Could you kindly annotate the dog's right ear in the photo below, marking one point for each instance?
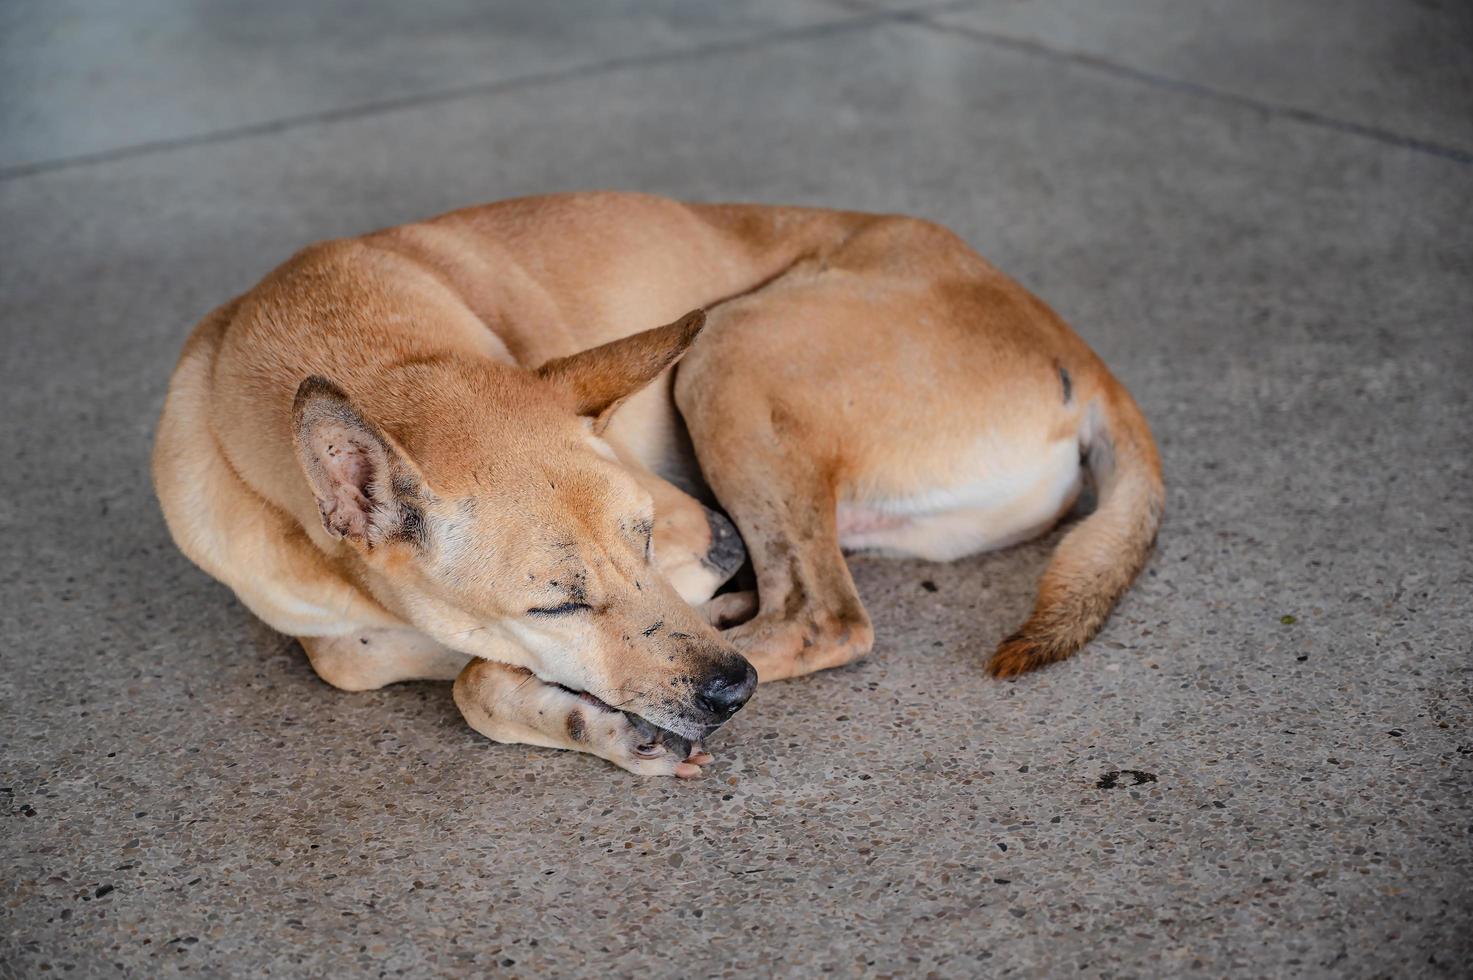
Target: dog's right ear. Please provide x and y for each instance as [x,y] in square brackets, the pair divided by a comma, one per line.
[600,378]
[365,486]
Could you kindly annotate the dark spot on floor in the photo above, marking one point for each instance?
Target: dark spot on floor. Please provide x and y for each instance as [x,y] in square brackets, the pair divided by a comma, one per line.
[1111,779]
[928,585]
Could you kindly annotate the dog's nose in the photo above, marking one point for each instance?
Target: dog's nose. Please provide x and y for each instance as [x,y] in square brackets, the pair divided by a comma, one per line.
[727,689]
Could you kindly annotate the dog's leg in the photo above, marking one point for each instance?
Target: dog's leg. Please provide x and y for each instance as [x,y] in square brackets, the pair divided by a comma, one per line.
[809,616]
[369,659]
[509,704]
[731,608]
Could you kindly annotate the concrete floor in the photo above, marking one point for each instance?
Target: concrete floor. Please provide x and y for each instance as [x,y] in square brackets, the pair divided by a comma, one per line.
[1259,213]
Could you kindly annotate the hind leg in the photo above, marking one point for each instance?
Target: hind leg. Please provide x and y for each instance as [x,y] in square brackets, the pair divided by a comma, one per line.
[782,498]
[814,619]
[902,379]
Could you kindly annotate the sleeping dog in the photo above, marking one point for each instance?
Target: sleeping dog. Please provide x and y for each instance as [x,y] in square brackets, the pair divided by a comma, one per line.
[452,450]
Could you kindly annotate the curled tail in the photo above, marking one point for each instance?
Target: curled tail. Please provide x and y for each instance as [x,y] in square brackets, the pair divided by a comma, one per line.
[1101,556]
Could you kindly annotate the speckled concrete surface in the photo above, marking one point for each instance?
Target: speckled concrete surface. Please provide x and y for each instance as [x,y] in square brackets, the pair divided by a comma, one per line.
[1261,768]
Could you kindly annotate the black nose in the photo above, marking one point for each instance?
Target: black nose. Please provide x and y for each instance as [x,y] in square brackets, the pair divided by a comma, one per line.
[727,689]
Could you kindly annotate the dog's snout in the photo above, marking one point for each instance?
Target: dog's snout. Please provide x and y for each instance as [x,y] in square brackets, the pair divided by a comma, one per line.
[728,688]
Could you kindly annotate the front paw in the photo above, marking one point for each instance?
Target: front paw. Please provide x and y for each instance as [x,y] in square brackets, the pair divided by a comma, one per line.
[636,745]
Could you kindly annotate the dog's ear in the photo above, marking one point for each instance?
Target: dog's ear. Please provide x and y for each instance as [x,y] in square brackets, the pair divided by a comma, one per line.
[602,377]
[367,490]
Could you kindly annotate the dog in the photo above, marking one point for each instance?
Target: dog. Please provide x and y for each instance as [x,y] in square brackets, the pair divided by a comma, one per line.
[452,450]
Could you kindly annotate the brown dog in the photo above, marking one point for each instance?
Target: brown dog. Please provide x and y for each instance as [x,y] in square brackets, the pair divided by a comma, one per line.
[442,451]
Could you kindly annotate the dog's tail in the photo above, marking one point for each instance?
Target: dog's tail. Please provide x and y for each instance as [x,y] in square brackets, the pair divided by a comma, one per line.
[1099,558]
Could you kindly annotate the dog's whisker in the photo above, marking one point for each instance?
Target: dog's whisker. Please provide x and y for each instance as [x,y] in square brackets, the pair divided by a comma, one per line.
[516,690]
[473,629]
[634,697]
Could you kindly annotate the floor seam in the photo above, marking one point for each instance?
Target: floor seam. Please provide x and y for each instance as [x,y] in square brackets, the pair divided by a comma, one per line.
[1104,65]
[469,90]
[920,16]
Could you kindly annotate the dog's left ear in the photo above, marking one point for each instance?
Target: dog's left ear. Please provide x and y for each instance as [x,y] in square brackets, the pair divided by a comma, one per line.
[600,378]
[367,489]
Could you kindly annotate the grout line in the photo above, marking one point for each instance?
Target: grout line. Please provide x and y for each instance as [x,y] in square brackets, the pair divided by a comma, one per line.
[919,15]
[1103,65]
[493,87]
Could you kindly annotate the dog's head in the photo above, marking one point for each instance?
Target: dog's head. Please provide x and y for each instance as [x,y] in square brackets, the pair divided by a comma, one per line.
[482,504]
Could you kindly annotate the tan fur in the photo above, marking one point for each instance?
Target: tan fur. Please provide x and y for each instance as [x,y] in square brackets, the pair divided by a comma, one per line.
[415,437]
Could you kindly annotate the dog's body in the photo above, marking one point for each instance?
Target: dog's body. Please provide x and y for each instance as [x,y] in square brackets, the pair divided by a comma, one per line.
[393,449]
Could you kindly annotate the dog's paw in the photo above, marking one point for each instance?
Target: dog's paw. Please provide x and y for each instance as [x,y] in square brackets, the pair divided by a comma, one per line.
[780,648]
[636,745]
[730,609]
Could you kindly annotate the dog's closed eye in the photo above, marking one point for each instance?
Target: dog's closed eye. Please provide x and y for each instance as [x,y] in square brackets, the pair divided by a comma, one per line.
[562,610]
